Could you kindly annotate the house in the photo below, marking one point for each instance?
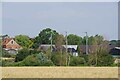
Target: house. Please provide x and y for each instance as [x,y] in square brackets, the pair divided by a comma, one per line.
[92,48]
[72,49]
[115,51]
[10,45]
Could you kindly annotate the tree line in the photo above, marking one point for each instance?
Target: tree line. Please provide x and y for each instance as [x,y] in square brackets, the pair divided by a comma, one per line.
[30,55]
[44,38]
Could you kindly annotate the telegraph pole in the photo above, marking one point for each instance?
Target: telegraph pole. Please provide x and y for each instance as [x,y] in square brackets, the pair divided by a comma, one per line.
[51,44]
[86,42]
[66,51]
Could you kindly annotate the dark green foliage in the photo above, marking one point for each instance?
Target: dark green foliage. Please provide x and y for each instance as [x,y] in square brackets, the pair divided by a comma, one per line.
[85,57]
[59,59]
[115,42]
[34,51]
[76,61]
[37,42]
[7,62]
[0,51]
[0,61]
[118,43]
[22,54]
[34,60]
[31,60]
[91,40]
[118,65]
[78,50]
[74,39]
[56,58]
[4,53]
[8,55]
[44,37]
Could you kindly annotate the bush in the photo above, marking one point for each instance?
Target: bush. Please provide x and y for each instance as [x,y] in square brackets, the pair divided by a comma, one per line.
[6,54]
[34,60]
[105,60]
[22,54]
[85,57]
[100,58]
[59,59]
[76,61]
[7,62]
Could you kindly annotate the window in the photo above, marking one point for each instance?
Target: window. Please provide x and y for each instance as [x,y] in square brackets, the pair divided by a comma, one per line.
[11,42]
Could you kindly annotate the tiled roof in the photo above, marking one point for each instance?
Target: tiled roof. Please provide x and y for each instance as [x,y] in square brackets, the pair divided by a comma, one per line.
[6,40]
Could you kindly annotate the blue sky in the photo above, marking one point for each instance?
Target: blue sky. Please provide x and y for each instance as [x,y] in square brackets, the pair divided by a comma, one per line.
[74,17]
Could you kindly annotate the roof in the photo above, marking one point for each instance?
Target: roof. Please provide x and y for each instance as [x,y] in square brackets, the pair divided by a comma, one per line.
[6,40]
[71,46]
[68,46]
[117,47]
[93,47]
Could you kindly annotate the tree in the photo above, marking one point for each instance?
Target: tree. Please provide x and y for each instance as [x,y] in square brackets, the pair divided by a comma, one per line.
[118,43]
[45,35]
[84,41]
[59,41]
[78,50]
[24,41]
[59,57]
[4,36]
[93,40]
[100,57]
[99,39]
[37,41]
[74,39]
[0,42]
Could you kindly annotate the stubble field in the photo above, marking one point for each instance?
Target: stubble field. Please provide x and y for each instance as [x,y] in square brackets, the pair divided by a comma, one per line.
[59,72]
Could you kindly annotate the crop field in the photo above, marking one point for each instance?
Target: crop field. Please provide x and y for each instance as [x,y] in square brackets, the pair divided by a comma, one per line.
[60,72]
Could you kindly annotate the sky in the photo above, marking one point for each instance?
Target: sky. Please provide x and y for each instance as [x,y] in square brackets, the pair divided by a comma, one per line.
[29,18]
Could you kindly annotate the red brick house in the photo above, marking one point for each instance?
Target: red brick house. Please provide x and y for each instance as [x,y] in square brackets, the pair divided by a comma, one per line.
[10,45]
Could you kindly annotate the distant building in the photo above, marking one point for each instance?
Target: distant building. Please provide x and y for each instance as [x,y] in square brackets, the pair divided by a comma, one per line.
[10,45]
[115,51]
[72,49]
[92,48]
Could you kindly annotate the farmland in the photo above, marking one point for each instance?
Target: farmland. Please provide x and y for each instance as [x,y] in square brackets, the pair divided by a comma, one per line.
[59,72]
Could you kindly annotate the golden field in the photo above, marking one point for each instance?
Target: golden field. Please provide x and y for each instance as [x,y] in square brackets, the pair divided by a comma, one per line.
[59,72]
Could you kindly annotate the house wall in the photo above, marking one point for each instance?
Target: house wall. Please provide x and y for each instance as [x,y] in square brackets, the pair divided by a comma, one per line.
[12,45]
